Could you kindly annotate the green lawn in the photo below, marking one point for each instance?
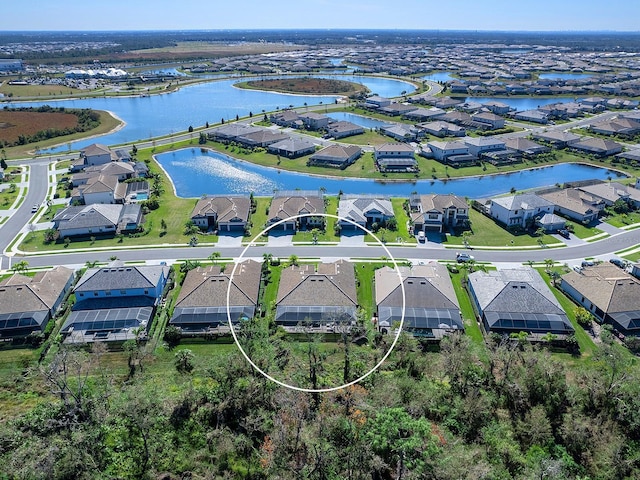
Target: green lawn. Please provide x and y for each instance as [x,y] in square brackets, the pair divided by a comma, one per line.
[8,197]
[624,219]
[587,347]
[328,235]
[485,232]
[260,216]
[582,231]
[365,273]
[471,326]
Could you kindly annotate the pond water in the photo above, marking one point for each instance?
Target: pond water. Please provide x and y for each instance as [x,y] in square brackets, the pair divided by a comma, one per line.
[195,105]
[438,77]
[364,122]
[563,76]
[195,172]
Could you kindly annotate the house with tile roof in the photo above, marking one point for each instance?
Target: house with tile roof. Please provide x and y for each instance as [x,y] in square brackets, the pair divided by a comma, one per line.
[292,147]
[557,138]
[262,138]
[517,300]
[395,157]
[292,203]
[435,212]
[27,304]
[597,146]
[609,293]
[519,210]
[335,156]
[222,213]
[610,192]
[342,129]
[319,297]
[431,308]
[363,210]
[575,204]
[115,302]
[97,219]
[201,306]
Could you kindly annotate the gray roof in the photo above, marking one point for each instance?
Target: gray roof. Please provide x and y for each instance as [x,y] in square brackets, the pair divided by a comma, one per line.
[356,208]
[518,300]
[223,207]
[96,215]
[20,293]
[338,152]
[117,276]
[293,144]
[524,201]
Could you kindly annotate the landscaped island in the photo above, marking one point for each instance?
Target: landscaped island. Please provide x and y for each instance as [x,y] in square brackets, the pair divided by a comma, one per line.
[307,86]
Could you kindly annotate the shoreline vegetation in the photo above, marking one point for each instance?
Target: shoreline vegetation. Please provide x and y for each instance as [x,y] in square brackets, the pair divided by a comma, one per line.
[305,86]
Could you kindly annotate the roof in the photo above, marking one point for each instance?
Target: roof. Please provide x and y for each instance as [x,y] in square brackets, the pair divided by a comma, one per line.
[610,191]
[455,145]
[339,152]
[524,201]
[518,300]
[356,208]
[20,293]
[394,147]
[207,287]
[94,215]
[333,284]
[223,207]
[606,286]
[291,205]
[292,144]
[574,200]
[117,276]
[430,300]
[95,149]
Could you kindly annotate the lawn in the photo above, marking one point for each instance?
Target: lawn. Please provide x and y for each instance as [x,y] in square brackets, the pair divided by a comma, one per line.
[260,216]
[331,205]
[471,326]
[582,231]
[365,285]
[485,232]
[623,219]
[8,196]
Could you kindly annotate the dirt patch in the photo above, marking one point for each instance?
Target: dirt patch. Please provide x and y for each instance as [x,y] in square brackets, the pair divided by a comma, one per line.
[15,124]
[311,86]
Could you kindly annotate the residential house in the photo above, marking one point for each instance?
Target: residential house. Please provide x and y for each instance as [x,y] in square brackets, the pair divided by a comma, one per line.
[429,307]
[201,306]
[302,204]
[395,157]
[519,210]
[324,298]
[364,211]
[229,132]
[535,116]
[314,121]
[337,156]
[222,213]
[261,138]
[610,192]
[343,129]
[97,219]
[619,126]
[400,132]
[452,153]
[434,212]
[423,114]
[575,204]
[443,129]
[597,146]
[287,118]
[557,138]
[292,147]
[375,102]
[609,293]
[499,108]
[97,154]
[100,189]
[517,300]
[526,147]
[394,109]
[550,222]
[28,303]
[490,119]
[482,145]
[115,303]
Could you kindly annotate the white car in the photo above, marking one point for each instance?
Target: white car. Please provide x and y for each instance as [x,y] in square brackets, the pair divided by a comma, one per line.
[421,236]
[35,208]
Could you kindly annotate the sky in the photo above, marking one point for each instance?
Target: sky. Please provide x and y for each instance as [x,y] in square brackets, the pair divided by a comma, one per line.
[511,15]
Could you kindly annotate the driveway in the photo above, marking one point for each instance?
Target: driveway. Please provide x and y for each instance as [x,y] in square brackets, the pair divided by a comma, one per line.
[610,229]
[280,239]
[230,240]
[352,238]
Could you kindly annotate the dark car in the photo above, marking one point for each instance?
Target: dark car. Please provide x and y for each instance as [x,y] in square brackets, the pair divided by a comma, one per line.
[564,233]
[618,263]
[588,263]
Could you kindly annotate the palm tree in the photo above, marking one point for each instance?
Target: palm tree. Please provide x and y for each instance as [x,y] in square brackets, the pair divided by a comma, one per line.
[214,257]
[21,266]
[293,260]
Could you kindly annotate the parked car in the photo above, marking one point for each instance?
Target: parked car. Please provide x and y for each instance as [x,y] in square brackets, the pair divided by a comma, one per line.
[421,236]
[618,263]
[564,233]
[464,257]
[588,263]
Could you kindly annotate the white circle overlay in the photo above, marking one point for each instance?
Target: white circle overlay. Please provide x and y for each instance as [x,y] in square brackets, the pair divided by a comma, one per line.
[316,390]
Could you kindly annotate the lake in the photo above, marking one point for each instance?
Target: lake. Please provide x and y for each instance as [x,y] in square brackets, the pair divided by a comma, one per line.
[364,122]
[522,103]
[194,105]
[563,76]
[195,172]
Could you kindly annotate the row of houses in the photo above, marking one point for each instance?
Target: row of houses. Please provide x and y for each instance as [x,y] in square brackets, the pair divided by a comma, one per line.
[118,302]
[582,204]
